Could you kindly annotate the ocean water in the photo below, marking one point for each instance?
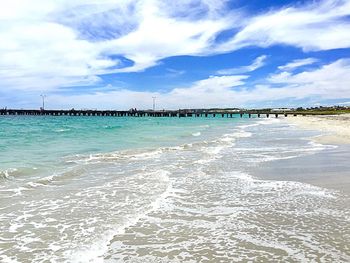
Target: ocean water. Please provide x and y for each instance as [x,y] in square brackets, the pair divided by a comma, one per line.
[112,189]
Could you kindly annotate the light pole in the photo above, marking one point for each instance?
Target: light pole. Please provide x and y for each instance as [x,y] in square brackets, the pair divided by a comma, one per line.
[43,96]
[154,103]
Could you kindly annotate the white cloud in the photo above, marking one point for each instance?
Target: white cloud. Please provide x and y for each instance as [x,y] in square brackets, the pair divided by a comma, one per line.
[330,81]
[257,63]
[49,44]
[215,90]
[160,35]
[43,55]
[321,25]
[298,63]
[327,82]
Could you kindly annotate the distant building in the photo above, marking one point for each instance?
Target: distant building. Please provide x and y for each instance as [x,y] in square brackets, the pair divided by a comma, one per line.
[281,109]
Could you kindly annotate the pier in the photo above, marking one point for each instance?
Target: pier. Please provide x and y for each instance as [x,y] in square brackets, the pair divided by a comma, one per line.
[151,113]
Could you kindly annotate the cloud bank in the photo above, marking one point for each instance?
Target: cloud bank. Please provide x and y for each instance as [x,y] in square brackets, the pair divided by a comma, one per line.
[230,91]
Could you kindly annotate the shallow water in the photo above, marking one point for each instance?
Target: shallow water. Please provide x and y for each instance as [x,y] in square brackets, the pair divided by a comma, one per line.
[100,189]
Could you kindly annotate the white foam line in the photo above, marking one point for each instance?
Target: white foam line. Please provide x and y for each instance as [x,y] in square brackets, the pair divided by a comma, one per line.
[248,125]
[294,253]
[6,174]
[320,145]
[303,188]
[196,134]
[6,259]
[96,251]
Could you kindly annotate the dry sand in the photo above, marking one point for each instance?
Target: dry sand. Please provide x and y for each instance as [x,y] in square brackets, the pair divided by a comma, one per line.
[335,127]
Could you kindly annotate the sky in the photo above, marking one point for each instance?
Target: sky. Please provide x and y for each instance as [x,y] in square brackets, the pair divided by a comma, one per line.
[118,54]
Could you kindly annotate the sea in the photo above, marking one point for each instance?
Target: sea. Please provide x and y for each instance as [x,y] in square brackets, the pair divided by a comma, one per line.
[148,189]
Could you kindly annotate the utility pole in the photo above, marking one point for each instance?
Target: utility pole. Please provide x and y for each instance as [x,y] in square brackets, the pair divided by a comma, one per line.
[154,103]
[43,96]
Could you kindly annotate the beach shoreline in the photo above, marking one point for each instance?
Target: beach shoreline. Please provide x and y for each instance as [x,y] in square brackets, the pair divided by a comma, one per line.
[328,168]
[335,128]
[128,189]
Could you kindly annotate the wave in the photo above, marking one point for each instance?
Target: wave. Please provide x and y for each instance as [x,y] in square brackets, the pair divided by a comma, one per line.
[112,127]
[225,140]
[8,173]
[94,252]
[67,174]
[80,163]
[15,173]
[228,206]
[62,130]
[210,151]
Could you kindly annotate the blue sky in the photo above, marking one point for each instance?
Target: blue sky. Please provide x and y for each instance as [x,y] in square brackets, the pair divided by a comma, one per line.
[113,54]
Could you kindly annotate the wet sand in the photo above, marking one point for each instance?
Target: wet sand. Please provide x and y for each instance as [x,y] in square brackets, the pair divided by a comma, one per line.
[329,169]
[336,128]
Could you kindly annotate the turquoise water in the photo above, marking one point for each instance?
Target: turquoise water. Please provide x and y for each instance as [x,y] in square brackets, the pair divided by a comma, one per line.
[41,141]
[112,189]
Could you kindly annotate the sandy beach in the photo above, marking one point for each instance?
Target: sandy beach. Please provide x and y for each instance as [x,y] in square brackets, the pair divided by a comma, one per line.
[330,168]
[335,127]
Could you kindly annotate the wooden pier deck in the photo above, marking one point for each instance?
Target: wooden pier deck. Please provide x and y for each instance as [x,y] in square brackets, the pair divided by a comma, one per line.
[149,113]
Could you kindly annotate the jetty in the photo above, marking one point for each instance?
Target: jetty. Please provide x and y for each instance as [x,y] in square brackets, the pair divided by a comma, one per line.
[151,113]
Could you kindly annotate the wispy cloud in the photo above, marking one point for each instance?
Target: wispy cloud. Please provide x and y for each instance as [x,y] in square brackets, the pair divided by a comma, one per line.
[175,72]
[257,63]
[298,63]
[329,81]
[321,25]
